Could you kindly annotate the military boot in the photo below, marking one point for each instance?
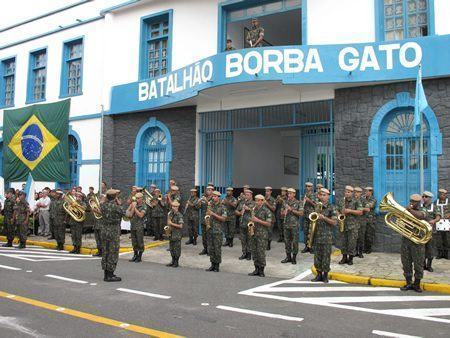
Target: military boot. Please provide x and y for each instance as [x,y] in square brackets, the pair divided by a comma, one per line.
[280,240]
[350,260]
[203,252]
[190,241]
[294,259]
[243,256]
[8,245]
[261,272]
[74,250]
[268,244]
[211,268]
[318,277]
[139,257]
[134,256]
[416,286]
[226,242]
[408,285]
[175,263]
[325,277]
[112,277]
[288,258]
[305,249]
[194,241]
[21,245]
[429,261]
[249,256]
[216,267]
[343,260]
[255,272]
[231,242]
[440,254]
[105,275]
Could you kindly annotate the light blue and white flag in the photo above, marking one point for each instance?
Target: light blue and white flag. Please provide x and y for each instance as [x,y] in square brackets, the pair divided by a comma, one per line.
[420,102]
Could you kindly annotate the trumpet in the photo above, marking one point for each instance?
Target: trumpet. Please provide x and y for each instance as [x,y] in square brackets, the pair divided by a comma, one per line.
[341,222]
[74,209]
[95,206]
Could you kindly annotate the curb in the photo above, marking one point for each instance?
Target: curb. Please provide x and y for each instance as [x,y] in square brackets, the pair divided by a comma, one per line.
[374,281]
[83,251]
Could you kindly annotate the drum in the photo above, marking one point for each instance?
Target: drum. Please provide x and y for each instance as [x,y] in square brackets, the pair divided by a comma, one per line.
[443,225]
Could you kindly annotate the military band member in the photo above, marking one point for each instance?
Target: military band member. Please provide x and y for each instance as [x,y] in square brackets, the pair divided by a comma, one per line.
[173,195]
[412,254]
[97,225]
[132,196]
[51,214]
[21,218]
[8,222]
[206,198]
[433,216]
[291,212]
[175,223]
[218,216]
[112,213]
[319,187]
[281,199]
[362,223]
[443,236]
[76,228]
[191,216]
[371,204]
[244,211]
[309,202]
[270,203]
[351,208]
[230,204]
[323,237]
[158,212]
[262,218]
[59,220]
[255,35]
[149,227]
[136,212]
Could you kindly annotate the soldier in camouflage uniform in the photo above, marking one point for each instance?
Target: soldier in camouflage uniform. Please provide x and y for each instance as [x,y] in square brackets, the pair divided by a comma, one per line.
[191,216]
[97,223]
[262,218]
[21,217]
[362,223]
[8,223]
[371,204]
[433,216]
[244,211]
[351,208]
[442,236]
[206,198]
[280,200]
[309,202]
[270,203]
[412,254]
[136,212]
[158,214]
[230,204]
[59,218]
[255,35]
[52,214]
[173,195]
[76,228]
[323,237]
[291,212]
[218,215]
[112,214]
[175,223]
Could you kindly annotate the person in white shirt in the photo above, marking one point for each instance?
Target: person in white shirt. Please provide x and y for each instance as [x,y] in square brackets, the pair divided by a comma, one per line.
[43,205]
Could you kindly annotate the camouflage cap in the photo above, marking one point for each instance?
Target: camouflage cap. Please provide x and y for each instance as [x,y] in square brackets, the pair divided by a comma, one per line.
[319,185]
[291,190]
[325,191]
[415,198]
[248,190]
[139,195]
[259,197]
[193,190]
[358,189]
[230,189]
[309,184]
[175,204]
[112,191]
[368,188]
[174,188]
[349,188]
[428,194]
[283,188]
[217,193]
[268,188]
[442,191]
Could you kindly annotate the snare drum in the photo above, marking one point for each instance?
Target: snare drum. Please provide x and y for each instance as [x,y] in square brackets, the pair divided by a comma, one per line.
[443,225]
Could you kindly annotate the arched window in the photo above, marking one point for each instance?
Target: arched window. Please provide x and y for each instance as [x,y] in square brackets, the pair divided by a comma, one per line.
[152,155]
[395,147]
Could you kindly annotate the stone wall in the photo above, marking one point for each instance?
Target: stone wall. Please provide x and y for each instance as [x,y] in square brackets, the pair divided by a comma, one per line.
[354,109]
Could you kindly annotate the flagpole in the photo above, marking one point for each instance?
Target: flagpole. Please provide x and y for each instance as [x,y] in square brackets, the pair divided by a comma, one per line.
[100,176]
[421,155]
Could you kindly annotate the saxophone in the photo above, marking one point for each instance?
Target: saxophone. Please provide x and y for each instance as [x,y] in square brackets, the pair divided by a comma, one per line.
[341,220]
[208,217]
[313,217]
[167,228]
[251,224]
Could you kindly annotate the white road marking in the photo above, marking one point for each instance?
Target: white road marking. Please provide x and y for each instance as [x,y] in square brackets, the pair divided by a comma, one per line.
[10,268]
[392,334]
[13,323]
[204,304]
[259,313]
[304,274]
[67,279]
[93,284]
[29,271]
[327,289]
[148,294]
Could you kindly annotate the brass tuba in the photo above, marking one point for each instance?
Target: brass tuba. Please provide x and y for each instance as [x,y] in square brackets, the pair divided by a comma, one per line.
[74,209]
[313,217]
[148,197]
[402,221]
[95,206]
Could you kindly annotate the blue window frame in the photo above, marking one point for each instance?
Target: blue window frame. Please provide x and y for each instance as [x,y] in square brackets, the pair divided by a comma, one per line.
[1,158]
[401,19]
[72,68]
[74,163]
[7,82]
[156,45]
[37,76]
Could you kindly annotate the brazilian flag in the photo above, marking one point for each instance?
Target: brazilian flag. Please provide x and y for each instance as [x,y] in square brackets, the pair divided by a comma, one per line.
[35,141]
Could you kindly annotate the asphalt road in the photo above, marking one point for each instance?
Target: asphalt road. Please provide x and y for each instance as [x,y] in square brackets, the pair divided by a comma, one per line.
[36,302]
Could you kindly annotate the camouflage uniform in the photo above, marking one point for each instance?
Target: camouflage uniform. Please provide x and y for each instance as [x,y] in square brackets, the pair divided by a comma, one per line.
[205,232]
[52,215]
[175,235]
[350,234]
[431,246]
[97,227]
[112,215]
[8,222]
[308,208]
[137,228]
[442,236]
[76,229]
[215,233]
[362,227]
[243,226]
[291,228]
[371,203]
[272,203]
[259,239]
[280,202]
[21,209]
[253,35]
[158,214]
[323,239]
[230,223]
[191,216]
[59,224]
